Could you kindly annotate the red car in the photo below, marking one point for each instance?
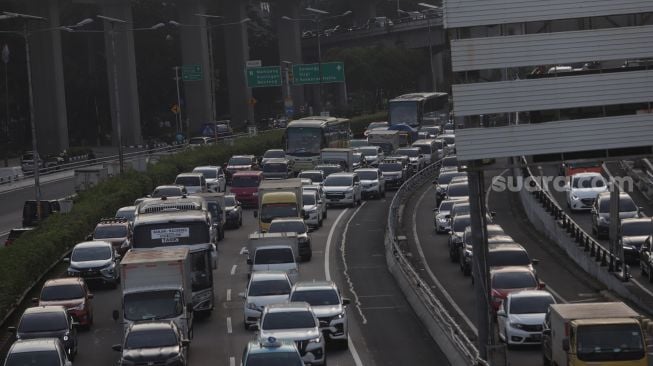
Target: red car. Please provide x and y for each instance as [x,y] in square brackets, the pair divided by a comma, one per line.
[570,169]
[71,293]
[505,280]
[244,185]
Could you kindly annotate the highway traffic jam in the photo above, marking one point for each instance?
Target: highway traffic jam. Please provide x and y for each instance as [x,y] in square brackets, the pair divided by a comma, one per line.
[161,254]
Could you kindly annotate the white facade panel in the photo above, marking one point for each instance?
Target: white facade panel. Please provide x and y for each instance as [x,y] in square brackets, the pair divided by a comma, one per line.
[467,13]
[555,137]
[552,48]
[553,93]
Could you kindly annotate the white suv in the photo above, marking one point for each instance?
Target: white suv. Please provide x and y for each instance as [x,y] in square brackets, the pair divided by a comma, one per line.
[372,182]
[214,176]
[343,189]
[264,288]
[583,188]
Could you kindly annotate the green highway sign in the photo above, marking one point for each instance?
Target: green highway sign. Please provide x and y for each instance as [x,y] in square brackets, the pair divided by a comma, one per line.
[260,77]
[332,72]
[191,72]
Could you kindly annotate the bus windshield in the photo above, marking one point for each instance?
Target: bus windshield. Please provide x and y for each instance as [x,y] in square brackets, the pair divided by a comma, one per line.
[301,141]
[403,112]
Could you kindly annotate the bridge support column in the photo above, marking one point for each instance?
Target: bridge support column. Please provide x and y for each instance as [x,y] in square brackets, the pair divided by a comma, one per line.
[237,52]
[130,115]
[289,44]
[50,113]
[195,51]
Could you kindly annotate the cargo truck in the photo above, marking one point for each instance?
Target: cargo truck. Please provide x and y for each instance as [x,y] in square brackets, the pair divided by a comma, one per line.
[607,333]
[341,156]
[279,198]
[156,285]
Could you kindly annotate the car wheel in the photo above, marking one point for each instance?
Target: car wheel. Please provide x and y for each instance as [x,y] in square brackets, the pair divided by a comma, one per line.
[383,193]
[325,213]
[650,274]
[240,221]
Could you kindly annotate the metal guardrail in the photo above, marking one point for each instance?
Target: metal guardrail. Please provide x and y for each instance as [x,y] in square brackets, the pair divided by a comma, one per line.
[592,247]
[394,254]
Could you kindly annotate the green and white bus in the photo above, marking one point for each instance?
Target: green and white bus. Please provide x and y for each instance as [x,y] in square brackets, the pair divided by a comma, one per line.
[304,138]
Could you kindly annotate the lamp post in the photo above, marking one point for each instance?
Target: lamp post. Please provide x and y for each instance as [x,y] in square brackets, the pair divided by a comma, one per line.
[428,25]
[317,19]
[5,60]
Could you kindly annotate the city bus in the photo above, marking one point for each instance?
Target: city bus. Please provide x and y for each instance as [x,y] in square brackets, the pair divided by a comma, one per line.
[304,138]
[418,109]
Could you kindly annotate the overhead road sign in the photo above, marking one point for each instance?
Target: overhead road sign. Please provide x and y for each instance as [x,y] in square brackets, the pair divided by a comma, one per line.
[260,77]
[191,72]
[332,72]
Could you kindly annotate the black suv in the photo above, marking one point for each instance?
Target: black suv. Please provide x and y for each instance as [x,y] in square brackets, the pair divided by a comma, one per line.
[153,343]
[48,322]
[30,217]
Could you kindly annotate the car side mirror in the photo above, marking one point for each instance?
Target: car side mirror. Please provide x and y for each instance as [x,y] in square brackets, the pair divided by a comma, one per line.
[535,261]
[449,232]
[117,347]
[541,286]
[75,324]
[11,330]
[90,296]
[189,308]
[546,332]
[346,301]
[89,237]
[66,260]
[565,344]
[493,214]
[35,300]
[255,327]
[255,213]
[501,313]
[245,252]
[242,295]
[185,343]
[249,261]
[115,315]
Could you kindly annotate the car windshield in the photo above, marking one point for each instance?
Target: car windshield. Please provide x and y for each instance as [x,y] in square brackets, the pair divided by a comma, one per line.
[460,223]
[626,204]
[449,140]
[208,173]
[530,305]
[368,150]
[446,206]
[269,288]
[461,209]
[637,228]
[424,149]
[390,167]
[511,280]
[304,141]
[338,181]
[411,153]
[274,359]
[167,192]
[450,162]
[593,181]
[110,231]
[368,175]
[501,258]
[240,161]
[91,254]
[314,177]
[245,181]
[126,213]
[287,227]
[34,358]
[62,292]
[275,167]
[445,178]
[309,199]
[43,322]
[152,305]
[229,201]
[274,154]
[155,338]
[274,256]
[458,190]
[289,320]
[405,112]
[317,297]
[188,181]
[270,211]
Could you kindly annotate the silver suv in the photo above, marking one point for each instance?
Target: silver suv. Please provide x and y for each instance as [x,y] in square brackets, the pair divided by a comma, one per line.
[295,321]
[372,182]
[343,189]
[328,305]
[264,288]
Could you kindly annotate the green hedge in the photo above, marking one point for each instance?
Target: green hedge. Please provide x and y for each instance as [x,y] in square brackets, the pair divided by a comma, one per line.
[23,262]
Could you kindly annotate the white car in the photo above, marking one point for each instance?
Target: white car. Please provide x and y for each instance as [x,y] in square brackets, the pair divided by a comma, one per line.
[372,154]
[312,208]
[194,182]
[295,321]
[343,189]
[274,258]
[583,188]
[372,182]
[215,178]
[264,288]
[320,193]
[521,316]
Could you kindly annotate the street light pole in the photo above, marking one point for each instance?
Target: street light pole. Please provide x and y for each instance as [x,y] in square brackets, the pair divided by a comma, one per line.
[178,117]
[5,59]
[428,25]
[211,61]
[319,64]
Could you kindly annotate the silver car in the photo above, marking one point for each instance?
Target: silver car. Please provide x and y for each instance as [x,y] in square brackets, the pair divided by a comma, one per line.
[264,288]
[295,321]
[343,188]
[320,193]
[94,261]
[215,178]
[372,182]
[328,305]
[442,216]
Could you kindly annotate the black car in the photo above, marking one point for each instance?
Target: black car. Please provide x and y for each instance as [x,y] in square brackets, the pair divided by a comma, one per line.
[234,211]
[442,183]
[153,343]
[633,233]
[48,322]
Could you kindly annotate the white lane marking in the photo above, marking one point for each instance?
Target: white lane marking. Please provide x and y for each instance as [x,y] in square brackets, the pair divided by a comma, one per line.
[343,243]
[489,190]
[428,269]
[327,275]
[229,294]
[229,329]
[242,250]
[232,361]
[233,269]
[5,233]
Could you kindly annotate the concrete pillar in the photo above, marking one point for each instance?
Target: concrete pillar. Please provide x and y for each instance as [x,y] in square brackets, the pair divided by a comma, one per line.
[236,53]
[195,51]
[289,43]
[50,114]
[130,115]
[363,10]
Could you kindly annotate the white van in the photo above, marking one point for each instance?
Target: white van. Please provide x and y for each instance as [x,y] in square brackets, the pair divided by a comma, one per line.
[428,148]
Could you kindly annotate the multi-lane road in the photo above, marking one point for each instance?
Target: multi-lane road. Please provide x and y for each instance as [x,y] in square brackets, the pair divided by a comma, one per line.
[348,249]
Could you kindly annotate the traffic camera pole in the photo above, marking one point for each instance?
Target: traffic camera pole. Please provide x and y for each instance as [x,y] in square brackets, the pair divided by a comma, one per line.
[36,157]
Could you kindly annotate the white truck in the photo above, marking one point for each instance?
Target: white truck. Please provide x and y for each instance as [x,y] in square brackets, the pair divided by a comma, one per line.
[86,178]
[156,285]
[274,252]
[279,198]
[341,156]
[606,333]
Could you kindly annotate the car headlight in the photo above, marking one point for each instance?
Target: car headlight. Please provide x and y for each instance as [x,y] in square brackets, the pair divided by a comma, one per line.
[108,269]
[79,307]
[316,340]
[340,316]
[517,325]
[439,189]
[443,220]
[574,197]
[65,338]
[252,306]
[604,219]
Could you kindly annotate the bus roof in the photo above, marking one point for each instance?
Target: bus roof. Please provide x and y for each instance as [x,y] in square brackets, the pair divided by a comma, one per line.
[315,121]
[416,97]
